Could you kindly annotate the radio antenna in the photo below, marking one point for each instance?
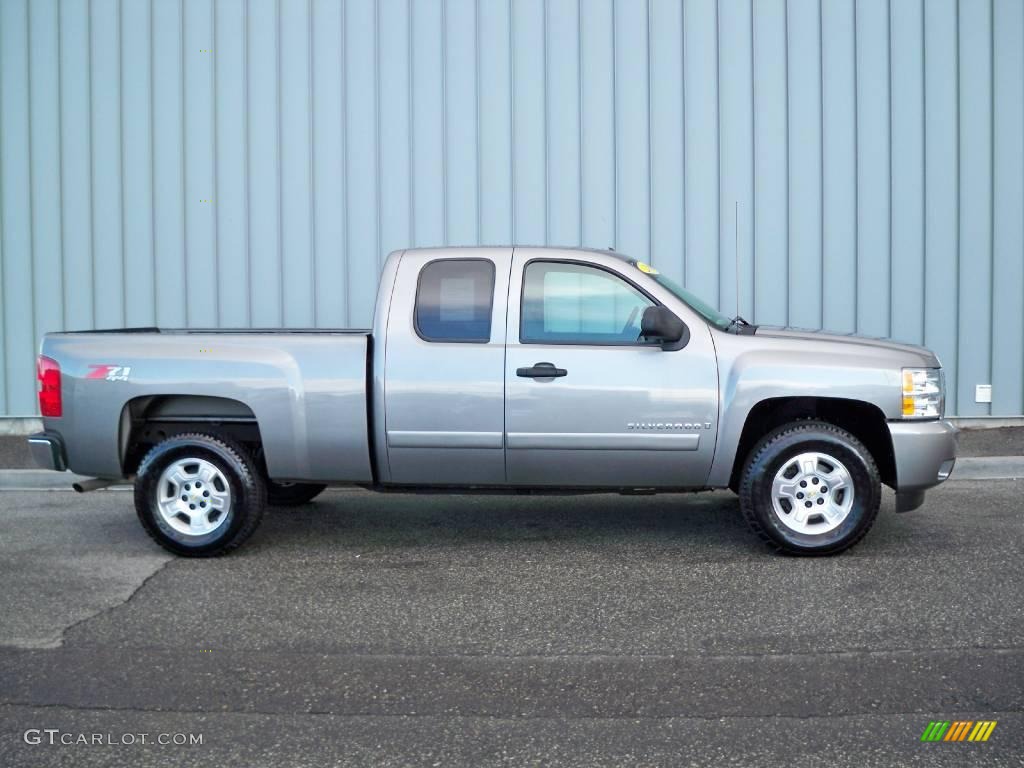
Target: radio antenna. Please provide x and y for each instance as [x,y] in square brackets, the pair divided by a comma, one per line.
[736,248]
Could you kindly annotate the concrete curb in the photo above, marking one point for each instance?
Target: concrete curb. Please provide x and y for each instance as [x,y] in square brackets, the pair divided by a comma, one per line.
[988,468]
[20,425]
[968,468]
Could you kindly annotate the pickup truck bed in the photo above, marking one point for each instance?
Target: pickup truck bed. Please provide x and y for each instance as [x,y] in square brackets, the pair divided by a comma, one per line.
[308,388]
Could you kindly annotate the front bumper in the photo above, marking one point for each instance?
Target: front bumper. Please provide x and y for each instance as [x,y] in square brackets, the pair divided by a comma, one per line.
[47,451]
[924,453]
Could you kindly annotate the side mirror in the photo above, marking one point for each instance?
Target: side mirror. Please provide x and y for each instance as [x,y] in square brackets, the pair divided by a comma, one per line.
[659,324]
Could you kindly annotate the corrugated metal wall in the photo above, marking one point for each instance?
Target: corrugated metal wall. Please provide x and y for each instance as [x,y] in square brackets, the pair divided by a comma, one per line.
[251,162]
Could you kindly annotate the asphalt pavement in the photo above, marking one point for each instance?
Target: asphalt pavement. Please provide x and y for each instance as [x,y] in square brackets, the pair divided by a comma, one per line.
[432,630]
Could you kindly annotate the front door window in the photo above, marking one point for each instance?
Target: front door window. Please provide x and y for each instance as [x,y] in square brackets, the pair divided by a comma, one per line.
[566,303]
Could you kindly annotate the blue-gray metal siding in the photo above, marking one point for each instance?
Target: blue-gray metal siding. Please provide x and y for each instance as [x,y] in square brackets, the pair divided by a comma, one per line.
[251,162]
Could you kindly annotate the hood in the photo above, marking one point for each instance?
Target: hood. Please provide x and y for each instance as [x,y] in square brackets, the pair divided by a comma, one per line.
[915,355]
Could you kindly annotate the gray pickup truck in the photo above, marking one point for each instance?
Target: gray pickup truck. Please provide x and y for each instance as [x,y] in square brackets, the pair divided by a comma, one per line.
[515,369]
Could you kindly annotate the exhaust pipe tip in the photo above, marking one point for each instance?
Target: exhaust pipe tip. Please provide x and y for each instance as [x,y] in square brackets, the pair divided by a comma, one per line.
[93,484]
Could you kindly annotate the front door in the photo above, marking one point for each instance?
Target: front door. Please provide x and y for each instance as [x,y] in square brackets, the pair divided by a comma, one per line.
[587,402]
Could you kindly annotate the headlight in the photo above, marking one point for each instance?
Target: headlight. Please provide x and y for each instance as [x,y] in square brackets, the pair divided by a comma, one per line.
[923,393]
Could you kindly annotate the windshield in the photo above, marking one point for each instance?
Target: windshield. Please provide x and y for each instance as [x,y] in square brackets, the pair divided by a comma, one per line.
[699,306]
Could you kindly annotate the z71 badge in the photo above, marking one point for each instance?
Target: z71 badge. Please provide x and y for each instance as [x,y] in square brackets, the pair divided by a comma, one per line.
[110,372]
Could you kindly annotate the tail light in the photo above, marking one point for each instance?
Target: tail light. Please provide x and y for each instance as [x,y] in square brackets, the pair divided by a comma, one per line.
[48,373]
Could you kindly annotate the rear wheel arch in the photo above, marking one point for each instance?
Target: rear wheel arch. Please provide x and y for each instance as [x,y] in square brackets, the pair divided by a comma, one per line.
[863,420]
[148,420]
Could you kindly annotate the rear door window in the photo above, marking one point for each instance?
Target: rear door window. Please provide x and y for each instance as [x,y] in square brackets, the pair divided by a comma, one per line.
[454,300]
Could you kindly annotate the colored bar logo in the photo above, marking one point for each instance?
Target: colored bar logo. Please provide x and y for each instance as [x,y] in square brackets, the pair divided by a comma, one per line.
[958,730]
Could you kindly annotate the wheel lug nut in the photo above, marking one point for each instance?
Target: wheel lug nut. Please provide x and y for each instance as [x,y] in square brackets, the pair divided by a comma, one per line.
[193,506]
[206,493]
[202,504]
[798,495]
[807,503]
[815,481]
[803,484]
[188,487]
[824,489]
[200,485]
[821,501]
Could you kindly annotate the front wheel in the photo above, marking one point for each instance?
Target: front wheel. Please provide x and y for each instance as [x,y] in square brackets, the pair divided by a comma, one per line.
[199,495]
[810,488]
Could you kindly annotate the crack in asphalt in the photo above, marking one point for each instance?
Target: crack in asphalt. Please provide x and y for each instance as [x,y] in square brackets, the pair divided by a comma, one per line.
[62,641]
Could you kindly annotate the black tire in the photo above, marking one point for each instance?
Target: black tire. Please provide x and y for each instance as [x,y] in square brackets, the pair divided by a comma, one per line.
[292,494]
[771,455]
[248,494]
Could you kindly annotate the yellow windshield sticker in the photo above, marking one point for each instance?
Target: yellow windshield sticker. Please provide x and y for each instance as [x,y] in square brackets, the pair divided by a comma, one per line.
[647,269]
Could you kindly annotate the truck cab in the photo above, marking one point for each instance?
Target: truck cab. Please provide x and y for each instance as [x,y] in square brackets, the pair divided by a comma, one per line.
[531,367]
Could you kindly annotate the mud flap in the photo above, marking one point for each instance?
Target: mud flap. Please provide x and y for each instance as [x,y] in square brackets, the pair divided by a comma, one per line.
[907,501]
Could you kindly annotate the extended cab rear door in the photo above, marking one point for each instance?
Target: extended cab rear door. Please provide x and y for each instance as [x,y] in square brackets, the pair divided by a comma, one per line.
[615,411]
[444,368]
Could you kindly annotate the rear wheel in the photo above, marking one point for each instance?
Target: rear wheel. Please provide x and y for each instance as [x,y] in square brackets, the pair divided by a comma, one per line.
[292,494]
[199,495]
[810,488]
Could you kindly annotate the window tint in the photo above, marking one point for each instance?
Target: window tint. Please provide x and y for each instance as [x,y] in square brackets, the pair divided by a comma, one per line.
[576,304]
[453,300]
